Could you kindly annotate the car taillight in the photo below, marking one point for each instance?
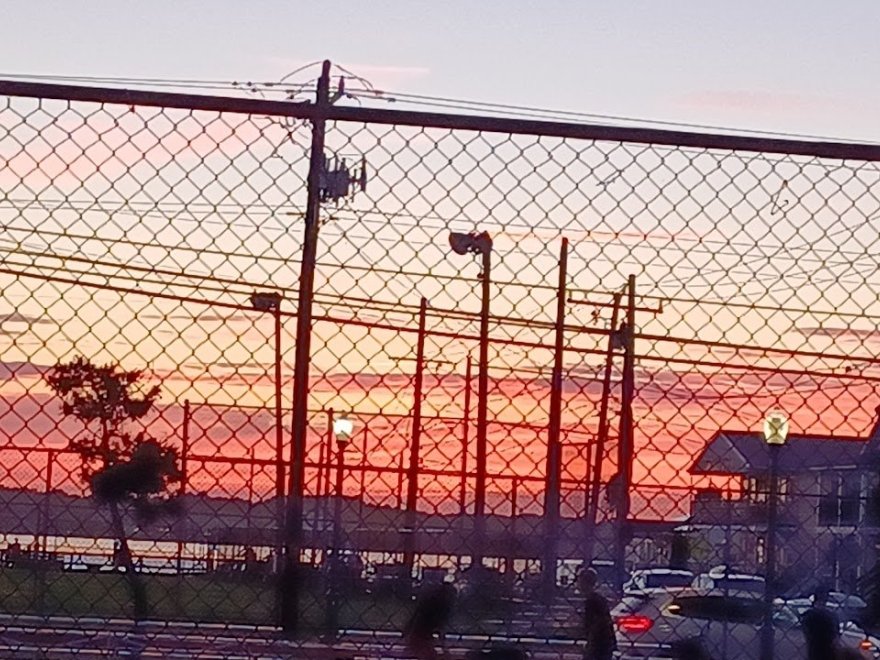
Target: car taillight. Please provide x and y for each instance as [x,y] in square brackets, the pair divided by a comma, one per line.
[634,623]
[866,645]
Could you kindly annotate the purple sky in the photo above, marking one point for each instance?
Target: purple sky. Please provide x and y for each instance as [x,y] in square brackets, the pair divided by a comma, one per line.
[808,68]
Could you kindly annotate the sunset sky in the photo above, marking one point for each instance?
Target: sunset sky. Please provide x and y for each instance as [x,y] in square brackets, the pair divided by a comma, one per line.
[750,250]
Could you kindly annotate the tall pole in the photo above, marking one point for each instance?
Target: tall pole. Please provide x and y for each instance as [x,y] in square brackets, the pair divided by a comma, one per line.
[594,482]
[770,567]
[290,581]
[465,434]
[482,414]
[412,484]
[42,546]
[279,440]
[327,468]
[184,470]
[626,442]
[336,555]
[554,447]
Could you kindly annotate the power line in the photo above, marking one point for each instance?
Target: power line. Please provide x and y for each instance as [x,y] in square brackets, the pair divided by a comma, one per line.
[438,276]
[545,113]
[461,336]
[400,307]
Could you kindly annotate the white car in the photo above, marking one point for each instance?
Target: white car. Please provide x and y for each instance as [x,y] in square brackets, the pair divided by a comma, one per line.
[657,578]
[723,624]
[719,578]
[847,606]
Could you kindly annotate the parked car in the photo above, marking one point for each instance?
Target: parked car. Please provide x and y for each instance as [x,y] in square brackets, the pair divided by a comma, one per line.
[657,578]
[847,606]
[722,578]
[727,624]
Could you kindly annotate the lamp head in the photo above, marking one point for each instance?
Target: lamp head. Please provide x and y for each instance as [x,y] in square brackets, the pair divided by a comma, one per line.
[775,428]
[474,242]
[266,301]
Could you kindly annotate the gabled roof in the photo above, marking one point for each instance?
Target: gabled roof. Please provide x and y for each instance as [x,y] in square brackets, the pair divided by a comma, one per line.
[743,453]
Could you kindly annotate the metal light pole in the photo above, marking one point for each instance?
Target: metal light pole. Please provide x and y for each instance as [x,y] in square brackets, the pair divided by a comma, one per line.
[270,302]
[412,484]
[552,491]
[775,434]
[480,244]
[184,470]
[465,434]
[342,430]
[325,460]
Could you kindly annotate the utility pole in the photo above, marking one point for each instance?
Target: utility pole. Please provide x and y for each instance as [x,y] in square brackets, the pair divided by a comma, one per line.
[291,580]
[412,485]
[594,481]
[552,490]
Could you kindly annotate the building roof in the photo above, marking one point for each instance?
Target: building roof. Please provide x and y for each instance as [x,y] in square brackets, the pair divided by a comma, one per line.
[743,453]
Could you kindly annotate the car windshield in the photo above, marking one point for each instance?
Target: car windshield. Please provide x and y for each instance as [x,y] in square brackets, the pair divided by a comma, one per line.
[667,580]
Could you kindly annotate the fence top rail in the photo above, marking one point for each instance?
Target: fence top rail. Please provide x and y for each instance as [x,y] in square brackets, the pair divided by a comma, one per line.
[304,110]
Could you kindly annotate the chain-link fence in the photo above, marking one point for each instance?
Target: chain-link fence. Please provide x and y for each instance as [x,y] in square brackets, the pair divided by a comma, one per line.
[533,347]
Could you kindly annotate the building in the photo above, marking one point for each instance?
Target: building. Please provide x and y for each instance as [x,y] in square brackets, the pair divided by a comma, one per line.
[827,515]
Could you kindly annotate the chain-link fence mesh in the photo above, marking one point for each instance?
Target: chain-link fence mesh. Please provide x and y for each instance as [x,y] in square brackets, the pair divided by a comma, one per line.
[704,286]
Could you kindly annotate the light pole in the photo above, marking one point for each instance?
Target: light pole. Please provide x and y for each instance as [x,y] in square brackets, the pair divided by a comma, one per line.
[775,433]
[552,490]
[479,243]
[270,302]
[343,427]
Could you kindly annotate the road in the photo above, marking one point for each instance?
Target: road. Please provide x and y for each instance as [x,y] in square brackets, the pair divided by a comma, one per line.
[60,638]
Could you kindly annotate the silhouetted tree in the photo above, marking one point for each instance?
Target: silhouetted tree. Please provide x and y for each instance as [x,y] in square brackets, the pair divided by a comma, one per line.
[124,469]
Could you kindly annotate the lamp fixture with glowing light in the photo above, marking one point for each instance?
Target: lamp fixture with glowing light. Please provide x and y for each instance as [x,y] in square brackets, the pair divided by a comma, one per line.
[775,428]
[343,427]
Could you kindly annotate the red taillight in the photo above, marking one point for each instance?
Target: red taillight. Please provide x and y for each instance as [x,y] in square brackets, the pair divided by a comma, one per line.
[634,623]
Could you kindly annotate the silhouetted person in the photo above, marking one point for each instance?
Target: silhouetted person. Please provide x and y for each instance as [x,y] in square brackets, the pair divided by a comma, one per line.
[598,627]
[431,616]
[821,629]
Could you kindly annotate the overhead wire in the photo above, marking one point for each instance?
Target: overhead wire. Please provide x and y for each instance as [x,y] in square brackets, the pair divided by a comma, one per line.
[354,306]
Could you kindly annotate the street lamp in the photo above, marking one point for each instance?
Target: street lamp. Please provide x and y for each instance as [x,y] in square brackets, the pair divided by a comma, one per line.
[479,243]
[343,427]
[270,302]
[775,434]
